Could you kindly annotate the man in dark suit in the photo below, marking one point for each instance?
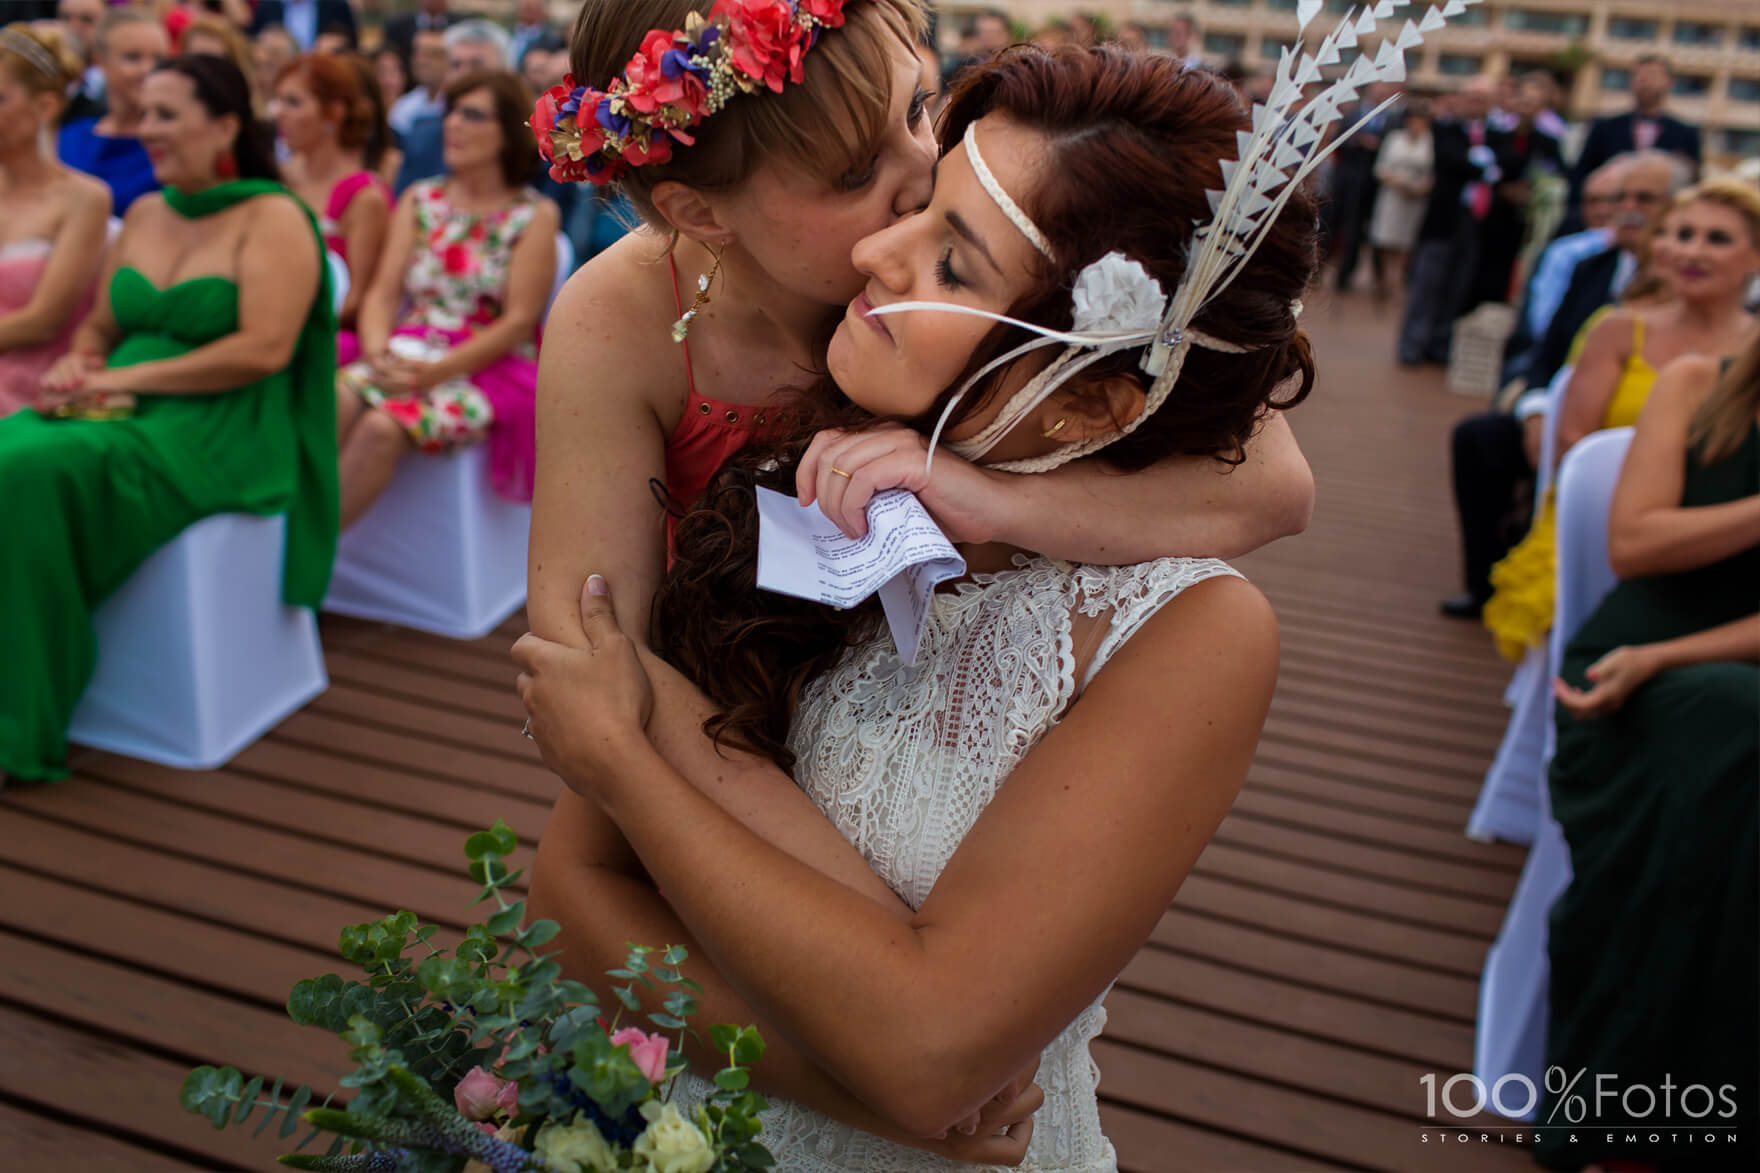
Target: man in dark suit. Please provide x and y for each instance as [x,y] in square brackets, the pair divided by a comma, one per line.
[304,19]
[1645,128]
[1521,151]
[400,30]
[1447,250]
[1496,453]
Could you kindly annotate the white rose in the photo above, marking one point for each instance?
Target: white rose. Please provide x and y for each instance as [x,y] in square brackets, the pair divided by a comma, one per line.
[576,1148]
[1117,293]
[672,1144]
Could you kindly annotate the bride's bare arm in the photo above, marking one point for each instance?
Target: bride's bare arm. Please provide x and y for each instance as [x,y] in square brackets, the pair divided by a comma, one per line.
[1045,900]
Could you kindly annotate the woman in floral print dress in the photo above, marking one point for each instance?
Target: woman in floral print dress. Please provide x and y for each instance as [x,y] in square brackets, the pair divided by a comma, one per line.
[449,329]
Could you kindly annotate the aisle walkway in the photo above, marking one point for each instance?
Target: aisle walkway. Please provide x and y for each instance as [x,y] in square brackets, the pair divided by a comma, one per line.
[1322,959]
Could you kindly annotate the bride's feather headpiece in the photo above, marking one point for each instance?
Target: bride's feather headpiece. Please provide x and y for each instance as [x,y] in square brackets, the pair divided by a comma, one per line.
[1118,305]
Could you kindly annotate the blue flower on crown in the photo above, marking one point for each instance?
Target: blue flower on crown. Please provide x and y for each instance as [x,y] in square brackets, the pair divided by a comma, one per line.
[572,103]
[610,119]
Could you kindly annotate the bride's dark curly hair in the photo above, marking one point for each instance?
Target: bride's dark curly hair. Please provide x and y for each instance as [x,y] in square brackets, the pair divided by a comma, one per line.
[1134,141]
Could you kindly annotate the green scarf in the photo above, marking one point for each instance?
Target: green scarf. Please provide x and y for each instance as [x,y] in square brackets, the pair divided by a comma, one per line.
[313,519]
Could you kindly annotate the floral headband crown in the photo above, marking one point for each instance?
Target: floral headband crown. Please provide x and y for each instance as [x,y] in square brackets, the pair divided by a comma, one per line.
[675,81]
[1118,305]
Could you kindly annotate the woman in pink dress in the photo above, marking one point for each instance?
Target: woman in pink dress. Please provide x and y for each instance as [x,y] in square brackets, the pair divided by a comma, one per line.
[52,236]
[326,122]
[449,329]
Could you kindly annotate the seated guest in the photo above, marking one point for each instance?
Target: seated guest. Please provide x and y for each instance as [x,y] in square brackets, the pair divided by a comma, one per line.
[1560,258]
[428,74]
[1497,453]
[216,321]
[304,19]
[1648,185]
[470,44]
[271,49]
[129,42]
[1654,965]
[391,69]
[80,20]
[1716,249]
[52,239]
[448,331]
[221,38]
[326,124]
[336,39]
[402,27]
[531,26]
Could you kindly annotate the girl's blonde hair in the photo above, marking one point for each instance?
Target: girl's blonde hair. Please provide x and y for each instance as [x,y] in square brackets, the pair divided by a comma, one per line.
[50,71]
[826,127]
[1721,424]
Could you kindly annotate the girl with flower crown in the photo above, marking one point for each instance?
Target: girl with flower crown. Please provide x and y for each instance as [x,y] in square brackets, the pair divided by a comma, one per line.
[1120,705]
[752,213]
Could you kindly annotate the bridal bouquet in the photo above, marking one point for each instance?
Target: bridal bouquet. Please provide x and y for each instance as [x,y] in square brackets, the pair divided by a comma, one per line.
[484,1057]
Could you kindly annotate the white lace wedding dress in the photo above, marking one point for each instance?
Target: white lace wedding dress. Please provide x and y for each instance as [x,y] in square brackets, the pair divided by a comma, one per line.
[903,760]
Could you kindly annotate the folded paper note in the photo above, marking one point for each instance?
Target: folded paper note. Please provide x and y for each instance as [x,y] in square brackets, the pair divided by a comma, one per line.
[903,557]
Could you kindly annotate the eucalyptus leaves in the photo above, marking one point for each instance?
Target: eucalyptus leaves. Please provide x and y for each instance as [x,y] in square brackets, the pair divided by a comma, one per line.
[485,1057]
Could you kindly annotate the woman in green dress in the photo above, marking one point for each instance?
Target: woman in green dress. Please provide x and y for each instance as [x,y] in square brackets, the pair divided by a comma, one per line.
[1655,967]
[214,342]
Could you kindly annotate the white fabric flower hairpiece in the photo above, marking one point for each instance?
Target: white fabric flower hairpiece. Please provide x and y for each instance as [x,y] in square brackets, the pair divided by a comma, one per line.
[1288,140]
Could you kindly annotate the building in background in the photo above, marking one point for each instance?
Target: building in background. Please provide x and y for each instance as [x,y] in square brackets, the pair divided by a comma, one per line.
[1714,46]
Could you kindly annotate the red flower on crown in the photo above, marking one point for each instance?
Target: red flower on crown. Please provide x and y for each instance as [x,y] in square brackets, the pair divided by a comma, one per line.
[649,86]
[766,44]
[828,13]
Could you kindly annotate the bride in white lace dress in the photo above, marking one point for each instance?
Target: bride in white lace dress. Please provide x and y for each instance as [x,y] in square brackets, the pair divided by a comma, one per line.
[1034,789]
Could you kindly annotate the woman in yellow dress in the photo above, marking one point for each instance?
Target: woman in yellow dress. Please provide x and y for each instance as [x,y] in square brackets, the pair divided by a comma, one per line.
[1714,252]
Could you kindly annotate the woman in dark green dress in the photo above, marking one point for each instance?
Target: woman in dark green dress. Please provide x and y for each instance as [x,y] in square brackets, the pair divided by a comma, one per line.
[1655,970]
[215,344]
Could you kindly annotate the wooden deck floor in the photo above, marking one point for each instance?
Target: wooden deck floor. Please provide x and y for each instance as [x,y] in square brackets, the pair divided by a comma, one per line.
[1324,956]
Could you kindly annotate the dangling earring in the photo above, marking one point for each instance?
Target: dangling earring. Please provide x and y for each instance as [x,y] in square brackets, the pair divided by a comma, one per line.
[682,327]
[1055,428]
[226,167]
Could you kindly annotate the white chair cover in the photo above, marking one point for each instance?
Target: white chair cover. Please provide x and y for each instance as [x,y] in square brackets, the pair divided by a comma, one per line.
[1511,1034]
[197,655]
[1508,806]
[338,279]
[440,551]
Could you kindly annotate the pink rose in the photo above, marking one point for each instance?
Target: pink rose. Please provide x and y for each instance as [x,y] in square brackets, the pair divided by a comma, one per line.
[507,1099]
[479,1094]
[648,1051]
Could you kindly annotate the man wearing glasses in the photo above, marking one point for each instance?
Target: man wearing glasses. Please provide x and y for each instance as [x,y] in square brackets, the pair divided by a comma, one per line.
[1496,453]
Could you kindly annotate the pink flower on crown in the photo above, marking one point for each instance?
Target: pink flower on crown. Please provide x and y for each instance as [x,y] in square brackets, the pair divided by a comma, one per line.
[765,43]
[655,82]
[828,13]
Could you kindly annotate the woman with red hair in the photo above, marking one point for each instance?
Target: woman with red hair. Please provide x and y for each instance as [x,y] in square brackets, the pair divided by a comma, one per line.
[325,120]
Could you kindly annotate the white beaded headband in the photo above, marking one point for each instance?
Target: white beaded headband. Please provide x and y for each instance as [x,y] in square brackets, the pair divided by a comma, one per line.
[1118,305]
